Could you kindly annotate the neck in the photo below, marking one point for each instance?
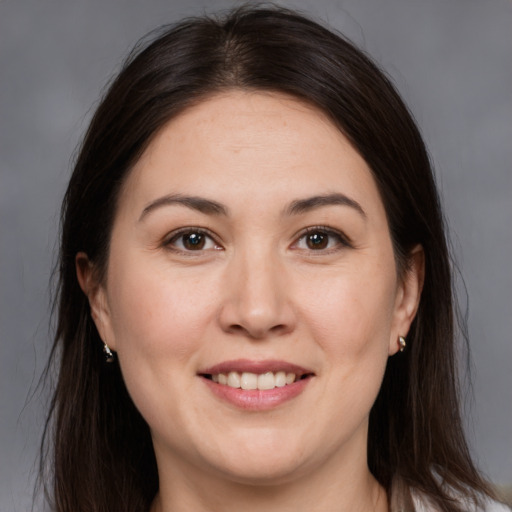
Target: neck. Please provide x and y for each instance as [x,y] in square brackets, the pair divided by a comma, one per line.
[355,491]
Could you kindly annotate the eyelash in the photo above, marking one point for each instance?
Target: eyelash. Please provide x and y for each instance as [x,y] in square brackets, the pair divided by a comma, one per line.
[341,240]
[180,233]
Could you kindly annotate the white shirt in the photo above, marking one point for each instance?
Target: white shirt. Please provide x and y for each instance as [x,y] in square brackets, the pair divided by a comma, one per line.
[423,504]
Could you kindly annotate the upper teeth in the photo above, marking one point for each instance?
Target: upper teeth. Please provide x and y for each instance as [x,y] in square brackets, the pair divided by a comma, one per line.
[247,380]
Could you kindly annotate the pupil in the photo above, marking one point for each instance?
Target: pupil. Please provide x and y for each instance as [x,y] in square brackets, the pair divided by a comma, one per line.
[193,241]
[317,241]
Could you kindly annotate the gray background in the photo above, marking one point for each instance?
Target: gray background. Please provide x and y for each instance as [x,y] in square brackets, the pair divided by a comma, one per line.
[452,61]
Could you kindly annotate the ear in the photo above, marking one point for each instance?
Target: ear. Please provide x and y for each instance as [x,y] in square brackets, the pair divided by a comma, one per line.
[408,297]
[95,291]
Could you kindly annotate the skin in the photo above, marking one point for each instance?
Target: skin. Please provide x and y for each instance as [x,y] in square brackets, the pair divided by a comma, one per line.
[256,290]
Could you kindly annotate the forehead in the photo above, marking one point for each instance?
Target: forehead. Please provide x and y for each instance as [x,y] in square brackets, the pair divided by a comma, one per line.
[241,142]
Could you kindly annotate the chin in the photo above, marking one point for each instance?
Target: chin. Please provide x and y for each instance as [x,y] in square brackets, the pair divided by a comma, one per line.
[263,461]
[263,473]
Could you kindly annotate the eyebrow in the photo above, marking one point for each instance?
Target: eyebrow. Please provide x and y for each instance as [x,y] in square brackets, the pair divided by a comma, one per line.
[206,206]
[210,207]
[305,205]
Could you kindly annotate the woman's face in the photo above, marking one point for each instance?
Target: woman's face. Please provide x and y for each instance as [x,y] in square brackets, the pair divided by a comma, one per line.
[251,248]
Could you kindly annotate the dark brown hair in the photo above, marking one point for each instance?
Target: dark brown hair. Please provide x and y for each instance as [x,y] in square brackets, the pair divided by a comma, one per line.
[101,452]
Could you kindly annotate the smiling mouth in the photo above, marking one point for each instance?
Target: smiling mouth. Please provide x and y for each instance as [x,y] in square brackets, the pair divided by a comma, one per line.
[254,381]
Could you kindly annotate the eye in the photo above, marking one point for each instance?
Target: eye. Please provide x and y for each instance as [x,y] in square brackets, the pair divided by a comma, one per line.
[321,239]
[192,240]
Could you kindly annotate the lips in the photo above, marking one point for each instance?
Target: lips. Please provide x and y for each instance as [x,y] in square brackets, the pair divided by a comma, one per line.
[256,385]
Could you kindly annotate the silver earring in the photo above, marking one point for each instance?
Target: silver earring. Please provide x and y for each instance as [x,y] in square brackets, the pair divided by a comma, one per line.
[401,343]
[109,355]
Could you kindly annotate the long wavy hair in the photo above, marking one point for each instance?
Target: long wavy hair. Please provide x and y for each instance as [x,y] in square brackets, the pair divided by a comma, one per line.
[97,454]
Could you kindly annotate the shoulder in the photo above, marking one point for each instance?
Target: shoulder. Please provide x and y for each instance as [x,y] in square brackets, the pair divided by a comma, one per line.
[494,506]
[404,498]
[423,504]
[497,507]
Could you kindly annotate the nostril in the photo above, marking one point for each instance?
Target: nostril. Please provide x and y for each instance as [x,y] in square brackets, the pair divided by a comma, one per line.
[236,328]
[256,332]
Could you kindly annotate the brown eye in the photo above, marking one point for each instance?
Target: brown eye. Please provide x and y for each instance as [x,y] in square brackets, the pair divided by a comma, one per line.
[321,239]
[192,240]
[317,240]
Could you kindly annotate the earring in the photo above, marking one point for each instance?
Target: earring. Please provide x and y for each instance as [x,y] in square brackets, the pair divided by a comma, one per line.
[401,343]
[109,355]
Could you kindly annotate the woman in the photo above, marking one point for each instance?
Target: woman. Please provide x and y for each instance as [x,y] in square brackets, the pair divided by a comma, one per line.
[255,301]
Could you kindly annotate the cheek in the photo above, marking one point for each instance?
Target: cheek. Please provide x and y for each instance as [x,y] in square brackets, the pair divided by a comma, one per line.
[352,312]
[351,320]
[158,335]
[155,313]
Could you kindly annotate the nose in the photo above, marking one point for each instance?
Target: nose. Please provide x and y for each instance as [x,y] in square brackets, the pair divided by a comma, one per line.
[257,297]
